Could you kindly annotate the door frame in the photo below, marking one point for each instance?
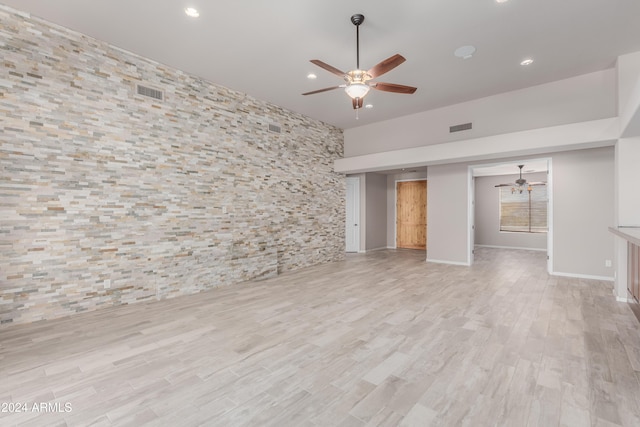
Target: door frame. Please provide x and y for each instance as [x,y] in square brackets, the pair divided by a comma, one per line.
[395,208]
[471,208]
[356,202]
[471,215]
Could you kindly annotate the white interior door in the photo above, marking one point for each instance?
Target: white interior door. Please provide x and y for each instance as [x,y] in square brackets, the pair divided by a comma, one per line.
[353,215]
[472,219]
[549,218]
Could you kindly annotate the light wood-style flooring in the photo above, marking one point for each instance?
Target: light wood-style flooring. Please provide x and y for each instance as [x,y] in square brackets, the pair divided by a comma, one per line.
[380,339]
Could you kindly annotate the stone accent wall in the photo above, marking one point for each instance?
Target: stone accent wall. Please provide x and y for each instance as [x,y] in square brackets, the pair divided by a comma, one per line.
[110,198]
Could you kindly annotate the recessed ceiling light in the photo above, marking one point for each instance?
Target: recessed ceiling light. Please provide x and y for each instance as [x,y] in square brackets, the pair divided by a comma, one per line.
[526,62]
[192,12]
[465,52]
[368,106]
[501,1]
[311,76]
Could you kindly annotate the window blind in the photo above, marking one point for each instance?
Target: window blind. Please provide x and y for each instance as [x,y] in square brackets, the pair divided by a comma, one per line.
[520,213]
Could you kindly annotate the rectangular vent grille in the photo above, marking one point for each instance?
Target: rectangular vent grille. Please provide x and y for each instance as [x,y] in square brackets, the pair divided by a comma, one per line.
[458,128]
[150,92]
[274,128]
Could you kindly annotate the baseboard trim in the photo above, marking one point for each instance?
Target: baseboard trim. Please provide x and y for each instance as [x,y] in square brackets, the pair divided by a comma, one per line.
[583,276]
[511,247]
[622,299]
[439,261]
[383,248]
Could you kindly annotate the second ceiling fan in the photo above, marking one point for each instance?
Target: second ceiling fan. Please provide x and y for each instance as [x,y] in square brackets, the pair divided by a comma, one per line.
[358,82]
[521,184]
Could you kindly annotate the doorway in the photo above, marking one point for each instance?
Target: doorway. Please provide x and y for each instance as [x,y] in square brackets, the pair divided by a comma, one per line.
[507,168]
[411,214]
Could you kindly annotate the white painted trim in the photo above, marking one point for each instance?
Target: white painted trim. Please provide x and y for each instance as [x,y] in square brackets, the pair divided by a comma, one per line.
[583,276]
[395,213]
[471,215]
[471,211]
[550,215]
[512,247]
[541,141]
[620,272]
[619,299]
[438,261]
[362,251]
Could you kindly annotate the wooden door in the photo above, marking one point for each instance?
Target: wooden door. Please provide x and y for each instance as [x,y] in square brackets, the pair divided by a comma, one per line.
[411,215]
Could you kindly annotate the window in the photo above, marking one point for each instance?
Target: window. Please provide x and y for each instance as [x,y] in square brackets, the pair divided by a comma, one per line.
[524,212]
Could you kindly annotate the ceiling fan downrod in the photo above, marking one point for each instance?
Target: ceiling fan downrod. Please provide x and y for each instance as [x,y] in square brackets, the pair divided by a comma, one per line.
[357,19]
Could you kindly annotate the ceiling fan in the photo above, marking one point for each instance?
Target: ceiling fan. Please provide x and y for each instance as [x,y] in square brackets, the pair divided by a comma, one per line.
[358,82]
[521,184]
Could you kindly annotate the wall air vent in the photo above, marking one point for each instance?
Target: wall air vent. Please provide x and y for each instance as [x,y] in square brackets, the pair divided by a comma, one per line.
[149,92]
[274,128]
[458,128]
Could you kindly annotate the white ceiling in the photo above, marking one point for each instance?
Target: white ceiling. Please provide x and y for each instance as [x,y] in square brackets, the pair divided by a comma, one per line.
[263,47]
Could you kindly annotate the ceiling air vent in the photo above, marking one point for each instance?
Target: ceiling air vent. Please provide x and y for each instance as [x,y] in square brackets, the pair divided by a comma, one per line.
[458,128]
[274,128]
[149,92]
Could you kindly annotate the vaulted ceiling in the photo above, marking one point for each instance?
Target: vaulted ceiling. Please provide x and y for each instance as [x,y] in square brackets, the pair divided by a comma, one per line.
[263,47]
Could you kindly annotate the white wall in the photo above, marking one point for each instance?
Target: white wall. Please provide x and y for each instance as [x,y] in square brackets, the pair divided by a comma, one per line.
[628,179]
[628,69]
[583,209]
[391,201]
[627,159]
[376,211]
[583,200]
[574,136]
[487,215]
[447,193]
[582,104]
[578,99]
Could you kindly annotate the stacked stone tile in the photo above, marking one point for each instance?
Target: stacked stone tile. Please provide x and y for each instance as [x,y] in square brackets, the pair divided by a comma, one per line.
[110,198]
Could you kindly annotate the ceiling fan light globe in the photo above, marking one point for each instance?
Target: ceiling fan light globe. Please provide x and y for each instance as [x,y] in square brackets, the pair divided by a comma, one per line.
[357,90]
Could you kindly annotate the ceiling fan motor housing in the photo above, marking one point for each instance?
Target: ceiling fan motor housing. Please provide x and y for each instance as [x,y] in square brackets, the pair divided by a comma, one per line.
[357,19]
[357,76]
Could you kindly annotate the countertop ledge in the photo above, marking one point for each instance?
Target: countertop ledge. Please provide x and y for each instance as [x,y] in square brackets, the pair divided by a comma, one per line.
[632,234]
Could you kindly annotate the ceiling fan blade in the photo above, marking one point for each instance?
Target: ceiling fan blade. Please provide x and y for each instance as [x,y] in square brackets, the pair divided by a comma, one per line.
[506,185]
[326,89]
[386,65]
[538,183]
[328,67]
[390,87]
[357,103]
